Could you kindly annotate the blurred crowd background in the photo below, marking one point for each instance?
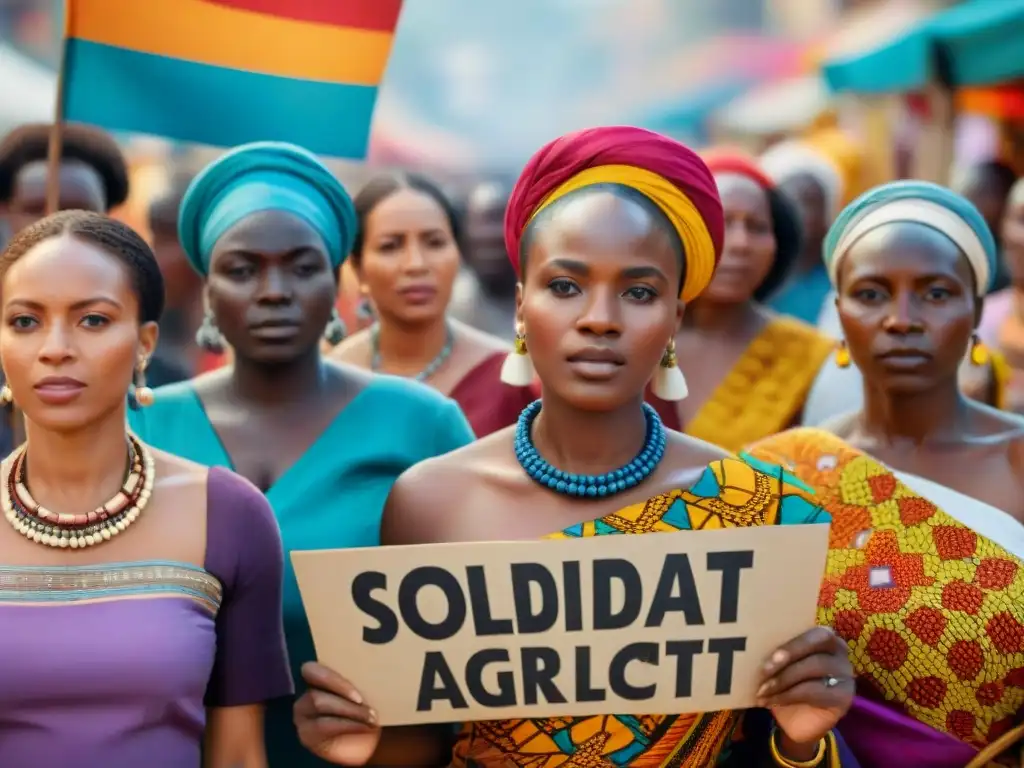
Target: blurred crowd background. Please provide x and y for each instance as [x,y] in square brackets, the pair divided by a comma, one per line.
[474,87]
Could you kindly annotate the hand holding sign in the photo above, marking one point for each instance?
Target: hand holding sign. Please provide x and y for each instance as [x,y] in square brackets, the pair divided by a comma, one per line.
[333,722]
[808,686]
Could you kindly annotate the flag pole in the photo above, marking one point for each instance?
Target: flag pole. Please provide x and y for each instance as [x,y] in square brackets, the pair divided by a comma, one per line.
[53,156]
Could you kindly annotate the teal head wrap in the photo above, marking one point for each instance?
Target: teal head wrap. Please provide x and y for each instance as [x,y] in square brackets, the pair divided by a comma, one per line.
[924,203]
[264,176]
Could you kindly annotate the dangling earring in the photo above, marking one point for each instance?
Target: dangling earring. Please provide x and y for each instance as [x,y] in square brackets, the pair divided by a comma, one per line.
[517,370]
[6,396]
[364,309]
[208,336]
[335,331]
[668,382]
[980,356]
[842,355]
[144,396]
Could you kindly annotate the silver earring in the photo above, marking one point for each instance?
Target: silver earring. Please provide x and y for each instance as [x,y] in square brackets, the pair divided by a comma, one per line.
[208,336]
[335,331]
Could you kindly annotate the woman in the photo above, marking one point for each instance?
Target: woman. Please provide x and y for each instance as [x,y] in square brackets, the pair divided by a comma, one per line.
[1002,323]
[926,571]
[748,369]
[406,257]
[140,593]
[611,231]
[268,227]
[818,184]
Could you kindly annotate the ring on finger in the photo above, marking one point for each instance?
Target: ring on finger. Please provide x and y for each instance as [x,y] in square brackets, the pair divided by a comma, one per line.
[831,682]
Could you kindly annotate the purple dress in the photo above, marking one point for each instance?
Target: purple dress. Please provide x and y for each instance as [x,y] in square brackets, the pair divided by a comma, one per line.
[113,665]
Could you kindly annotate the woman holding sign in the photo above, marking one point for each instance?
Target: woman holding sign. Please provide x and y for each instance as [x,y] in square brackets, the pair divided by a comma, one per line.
[612,230]
[926,572]
[140,594]
[268,226]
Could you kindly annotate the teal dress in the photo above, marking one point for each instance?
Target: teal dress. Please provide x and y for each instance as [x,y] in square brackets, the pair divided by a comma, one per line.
[332,497]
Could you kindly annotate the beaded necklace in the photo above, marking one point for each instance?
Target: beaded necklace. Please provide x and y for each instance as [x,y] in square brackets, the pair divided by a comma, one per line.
[589,486]
[56,529]
[432,366]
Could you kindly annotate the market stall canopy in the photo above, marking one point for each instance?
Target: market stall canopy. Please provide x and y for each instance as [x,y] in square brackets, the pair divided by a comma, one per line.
[28,91]
[979,41]
[725,67]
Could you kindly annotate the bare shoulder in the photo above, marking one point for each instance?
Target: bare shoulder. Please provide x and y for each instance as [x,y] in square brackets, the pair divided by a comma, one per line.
[354,349]
[175,470]
[484,344]
[685,460]
[348,378]
[998,424]
[422,498]
[212,382]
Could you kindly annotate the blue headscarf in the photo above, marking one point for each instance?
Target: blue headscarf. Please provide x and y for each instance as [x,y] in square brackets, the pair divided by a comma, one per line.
[924,203]
[264,176]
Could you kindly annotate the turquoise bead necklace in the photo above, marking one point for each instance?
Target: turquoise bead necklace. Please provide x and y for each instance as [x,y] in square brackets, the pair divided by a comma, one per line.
[589,486]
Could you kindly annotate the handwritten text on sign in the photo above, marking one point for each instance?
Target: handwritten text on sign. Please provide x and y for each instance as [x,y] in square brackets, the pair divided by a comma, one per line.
[667,623]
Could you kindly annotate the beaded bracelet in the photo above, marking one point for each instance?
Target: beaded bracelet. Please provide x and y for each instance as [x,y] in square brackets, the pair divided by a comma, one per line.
[818,758]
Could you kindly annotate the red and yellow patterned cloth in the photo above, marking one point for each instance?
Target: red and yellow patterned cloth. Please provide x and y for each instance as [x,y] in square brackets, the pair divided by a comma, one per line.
[933,612]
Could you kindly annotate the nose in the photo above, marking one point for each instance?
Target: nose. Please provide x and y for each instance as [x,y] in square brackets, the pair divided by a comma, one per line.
[413,259]
[57,345]
[902,317]
[737,236]
[275,287]
[602,313]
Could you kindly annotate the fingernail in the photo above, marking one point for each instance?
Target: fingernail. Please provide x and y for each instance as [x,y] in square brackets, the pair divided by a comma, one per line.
[372,716]
[763,690]
[357,697]
[779,657]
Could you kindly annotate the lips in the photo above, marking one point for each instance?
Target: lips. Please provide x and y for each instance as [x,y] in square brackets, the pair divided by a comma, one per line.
[598,355]
[418,294]
[904,359]
[58,390]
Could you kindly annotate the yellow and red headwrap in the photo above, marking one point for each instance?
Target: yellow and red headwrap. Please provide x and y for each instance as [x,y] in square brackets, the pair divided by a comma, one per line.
[668,173]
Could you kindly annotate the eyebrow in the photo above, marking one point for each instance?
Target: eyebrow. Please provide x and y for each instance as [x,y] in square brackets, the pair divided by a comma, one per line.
[631,273]
[83,304]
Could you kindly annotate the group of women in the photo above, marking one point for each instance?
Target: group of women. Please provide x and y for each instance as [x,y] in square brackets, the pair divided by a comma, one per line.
[149,563]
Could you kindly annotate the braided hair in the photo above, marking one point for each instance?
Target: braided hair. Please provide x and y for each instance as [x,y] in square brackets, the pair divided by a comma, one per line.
[118,239]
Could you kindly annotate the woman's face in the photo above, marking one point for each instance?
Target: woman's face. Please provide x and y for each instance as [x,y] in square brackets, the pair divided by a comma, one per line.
[906,302]
[69,347]
[271,287]
[409,259]
[81,189]
[749,250]
[598,302]
[809,197]
[1013,241]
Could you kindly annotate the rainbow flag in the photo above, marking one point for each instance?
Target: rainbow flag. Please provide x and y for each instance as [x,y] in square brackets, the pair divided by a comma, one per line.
[226,72]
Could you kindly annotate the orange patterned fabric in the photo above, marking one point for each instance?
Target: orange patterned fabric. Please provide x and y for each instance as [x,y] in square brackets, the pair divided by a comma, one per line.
[933,612]
[729,493]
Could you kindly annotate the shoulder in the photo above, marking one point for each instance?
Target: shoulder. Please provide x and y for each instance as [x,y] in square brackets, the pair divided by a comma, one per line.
[424,494]
[205,383]
[242,534]
[352,349]
[484,344]
[403,397]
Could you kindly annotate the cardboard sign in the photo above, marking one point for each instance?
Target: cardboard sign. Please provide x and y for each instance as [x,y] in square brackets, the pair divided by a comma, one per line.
[659,623]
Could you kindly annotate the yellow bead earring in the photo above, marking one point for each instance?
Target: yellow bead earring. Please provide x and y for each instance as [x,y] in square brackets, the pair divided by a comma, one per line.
[843,355]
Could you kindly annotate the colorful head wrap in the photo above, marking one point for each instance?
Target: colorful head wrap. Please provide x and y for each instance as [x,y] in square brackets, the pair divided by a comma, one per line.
[923,203]
[792,158]
[671,175]
[264,176]
[786,225]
